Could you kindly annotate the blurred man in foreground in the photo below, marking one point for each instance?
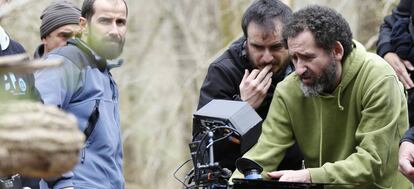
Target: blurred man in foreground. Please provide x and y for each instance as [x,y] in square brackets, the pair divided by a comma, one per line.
[16,85]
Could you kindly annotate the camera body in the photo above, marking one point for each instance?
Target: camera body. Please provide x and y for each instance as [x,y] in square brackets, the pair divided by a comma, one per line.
[216,121]
[12,182]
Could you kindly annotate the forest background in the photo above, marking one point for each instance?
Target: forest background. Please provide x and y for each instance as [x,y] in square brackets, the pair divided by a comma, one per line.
[170,44]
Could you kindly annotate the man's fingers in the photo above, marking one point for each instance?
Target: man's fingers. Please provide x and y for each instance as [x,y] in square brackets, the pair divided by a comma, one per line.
[268,84]
[408,65]
[263,73]
[402,73]
[265,84]
[403,78]
[276,174]
[406,79]
[410,84]
[253,74]
[400,66]
[259,75]
[406,157]
[406,167]
[246,74]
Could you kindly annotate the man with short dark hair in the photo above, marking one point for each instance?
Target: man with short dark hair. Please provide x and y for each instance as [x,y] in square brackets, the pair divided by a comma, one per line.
[249,71]
[344,107]
[84,87]
[60,22]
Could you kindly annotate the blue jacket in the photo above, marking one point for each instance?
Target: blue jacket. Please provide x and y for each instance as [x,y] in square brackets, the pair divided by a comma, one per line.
[80,88]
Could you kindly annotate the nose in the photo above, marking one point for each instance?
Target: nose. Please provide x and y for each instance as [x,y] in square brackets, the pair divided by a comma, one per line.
[267,56]
[114,30]
[300,68]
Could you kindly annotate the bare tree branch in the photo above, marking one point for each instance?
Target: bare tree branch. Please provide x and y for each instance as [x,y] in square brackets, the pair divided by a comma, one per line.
[10,7]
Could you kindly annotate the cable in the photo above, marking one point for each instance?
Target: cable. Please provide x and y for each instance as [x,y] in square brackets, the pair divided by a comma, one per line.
[216,128]
[200,153]
[229,134]
[175,173]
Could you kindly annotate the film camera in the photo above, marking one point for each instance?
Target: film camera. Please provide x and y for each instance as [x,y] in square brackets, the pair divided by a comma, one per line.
[220,120]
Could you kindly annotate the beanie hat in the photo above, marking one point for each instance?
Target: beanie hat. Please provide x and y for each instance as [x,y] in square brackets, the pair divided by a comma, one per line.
[58,14]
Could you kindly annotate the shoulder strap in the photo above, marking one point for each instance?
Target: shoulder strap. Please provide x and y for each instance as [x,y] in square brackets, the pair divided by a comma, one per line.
[94,59]
[73,54]
[81,56]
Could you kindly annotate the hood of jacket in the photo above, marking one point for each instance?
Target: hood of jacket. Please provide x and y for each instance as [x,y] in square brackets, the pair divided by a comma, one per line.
[350,68]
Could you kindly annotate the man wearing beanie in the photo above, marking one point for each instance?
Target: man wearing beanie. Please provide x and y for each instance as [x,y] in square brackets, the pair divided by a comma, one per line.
[60,21]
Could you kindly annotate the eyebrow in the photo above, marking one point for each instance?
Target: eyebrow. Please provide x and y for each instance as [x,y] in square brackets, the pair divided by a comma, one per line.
[66,33]
[104,18]
[273,44]
[305,54]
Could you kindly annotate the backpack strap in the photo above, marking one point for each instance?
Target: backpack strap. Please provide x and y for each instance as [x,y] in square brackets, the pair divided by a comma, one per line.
[80,55]
[94,59]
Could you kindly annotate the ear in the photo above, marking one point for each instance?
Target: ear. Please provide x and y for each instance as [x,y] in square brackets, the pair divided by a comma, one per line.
[83,24]
[44,41]
[338,51]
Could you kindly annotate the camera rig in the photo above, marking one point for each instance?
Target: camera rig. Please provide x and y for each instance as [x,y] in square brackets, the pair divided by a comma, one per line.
[216,121]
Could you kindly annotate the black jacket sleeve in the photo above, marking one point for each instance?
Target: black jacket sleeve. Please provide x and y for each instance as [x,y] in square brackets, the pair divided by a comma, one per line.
[220,83]
[409,136]
[403,10]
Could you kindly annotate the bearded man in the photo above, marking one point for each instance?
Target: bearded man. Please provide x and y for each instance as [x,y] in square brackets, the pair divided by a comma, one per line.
[343,106]
[84,87]
[249,71]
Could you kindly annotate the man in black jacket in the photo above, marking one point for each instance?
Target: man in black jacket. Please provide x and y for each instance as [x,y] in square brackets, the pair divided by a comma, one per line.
[396,46]
[249,71]
[395,41]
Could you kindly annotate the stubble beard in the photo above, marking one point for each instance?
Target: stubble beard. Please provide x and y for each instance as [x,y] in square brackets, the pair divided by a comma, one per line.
[104,48]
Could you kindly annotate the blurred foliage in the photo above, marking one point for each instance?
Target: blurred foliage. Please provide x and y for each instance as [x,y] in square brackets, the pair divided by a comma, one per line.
[170,44]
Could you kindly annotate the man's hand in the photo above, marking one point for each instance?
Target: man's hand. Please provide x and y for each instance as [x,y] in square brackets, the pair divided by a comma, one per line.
[400,66]
[291,176]
[406,160]
[254,86]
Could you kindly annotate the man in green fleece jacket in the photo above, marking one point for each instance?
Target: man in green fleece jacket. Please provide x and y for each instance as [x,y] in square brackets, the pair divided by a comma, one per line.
[343,105]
